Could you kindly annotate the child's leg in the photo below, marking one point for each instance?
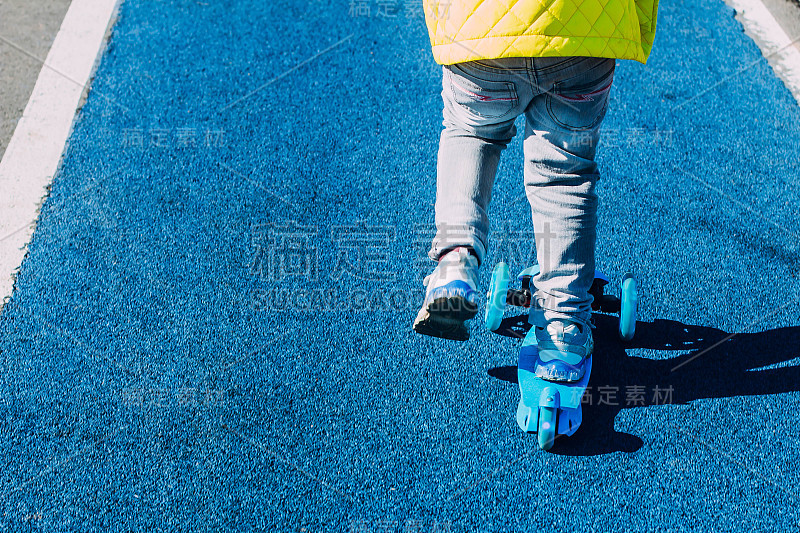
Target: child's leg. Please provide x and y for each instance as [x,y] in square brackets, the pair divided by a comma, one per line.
[480,105]
[561,138]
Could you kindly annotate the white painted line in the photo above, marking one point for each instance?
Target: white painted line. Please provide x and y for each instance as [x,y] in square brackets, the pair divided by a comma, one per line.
[34,152]
[781,51]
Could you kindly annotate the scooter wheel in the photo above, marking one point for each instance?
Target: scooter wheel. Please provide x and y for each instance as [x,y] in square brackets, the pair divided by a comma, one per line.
[496,297]
[628,305]
[546,433]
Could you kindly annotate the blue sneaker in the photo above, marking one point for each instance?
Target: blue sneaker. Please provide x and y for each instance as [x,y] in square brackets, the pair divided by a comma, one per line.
[563,349]
[451,297]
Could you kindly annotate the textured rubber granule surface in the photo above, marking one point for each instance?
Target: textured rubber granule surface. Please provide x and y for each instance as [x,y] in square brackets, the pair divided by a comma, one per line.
[212,329]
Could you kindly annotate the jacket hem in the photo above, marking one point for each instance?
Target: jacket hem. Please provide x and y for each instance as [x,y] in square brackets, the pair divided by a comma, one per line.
[539,46]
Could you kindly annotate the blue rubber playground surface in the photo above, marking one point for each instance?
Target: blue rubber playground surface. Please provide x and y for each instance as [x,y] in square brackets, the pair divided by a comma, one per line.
[212,328]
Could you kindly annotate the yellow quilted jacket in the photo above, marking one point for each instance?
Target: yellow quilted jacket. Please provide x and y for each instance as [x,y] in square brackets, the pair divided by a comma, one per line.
[465,30]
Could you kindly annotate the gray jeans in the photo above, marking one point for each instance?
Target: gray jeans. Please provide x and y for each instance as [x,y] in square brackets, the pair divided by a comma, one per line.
[564,100]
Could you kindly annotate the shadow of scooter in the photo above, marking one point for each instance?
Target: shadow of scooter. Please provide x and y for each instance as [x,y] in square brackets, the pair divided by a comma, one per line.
[715,364]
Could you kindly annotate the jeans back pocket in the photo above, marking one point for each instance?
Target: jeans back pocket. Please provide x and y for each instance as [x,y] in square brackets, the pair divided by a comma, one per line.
[581,102]
[477,96]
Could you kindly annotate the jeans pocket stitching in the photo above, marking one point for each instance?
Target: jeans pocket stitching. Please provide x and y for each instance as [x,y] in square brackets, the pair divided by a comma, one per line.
[605,82]
[502,87]
[598,118]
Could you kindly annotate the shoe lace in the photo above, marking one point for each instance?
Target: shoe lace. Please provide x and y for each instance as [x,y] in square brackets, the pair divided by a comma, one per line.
[557,329]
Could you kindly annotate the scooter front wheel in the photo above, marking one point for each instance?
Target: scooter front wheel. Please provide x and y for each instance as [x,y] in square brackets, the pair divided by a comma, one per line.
[628,306]
[496,297]
[546,432]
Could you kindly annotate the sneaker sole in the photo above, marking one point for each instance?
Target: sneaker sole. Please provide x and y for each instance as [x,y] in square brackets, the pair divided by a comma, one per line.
[445,318]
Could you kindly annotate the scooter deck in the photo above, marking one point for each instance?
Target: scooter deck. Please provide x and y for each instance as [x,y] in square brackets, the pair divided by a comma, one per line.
[566,397]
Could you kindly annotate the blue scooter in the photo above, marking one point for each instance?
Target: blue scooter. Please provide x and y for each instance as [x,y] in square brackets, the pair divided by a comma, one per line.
[550,408]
